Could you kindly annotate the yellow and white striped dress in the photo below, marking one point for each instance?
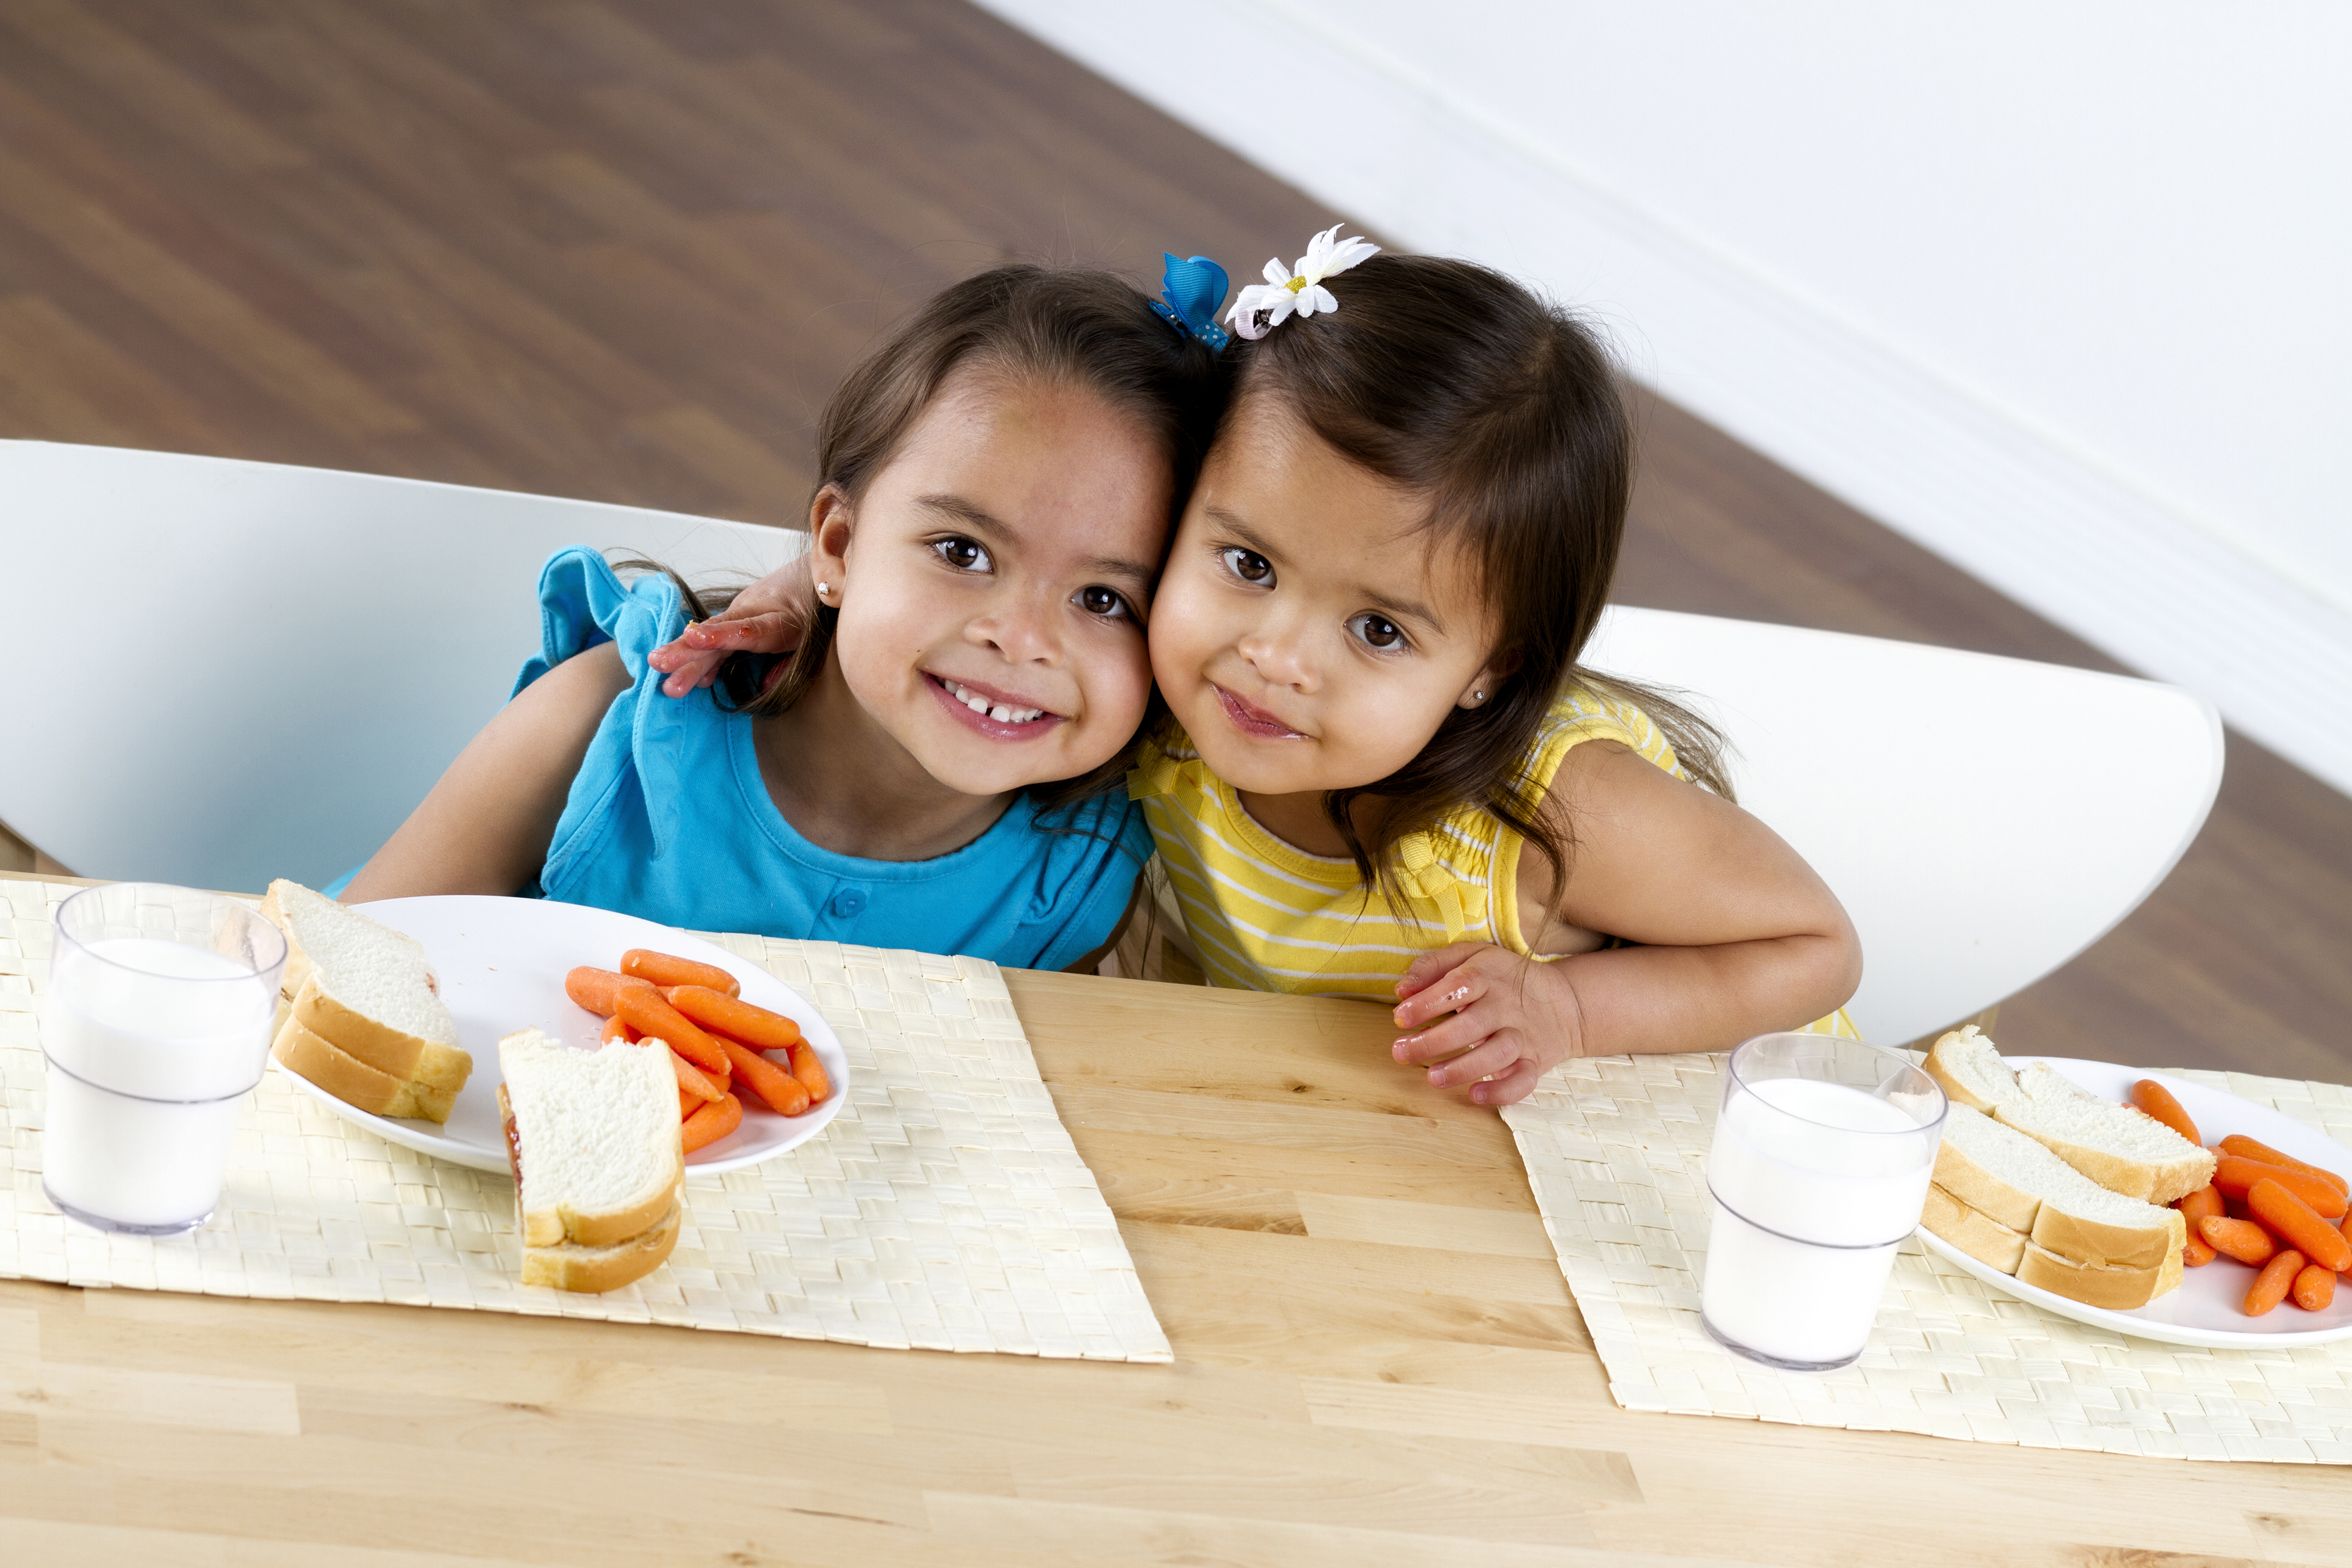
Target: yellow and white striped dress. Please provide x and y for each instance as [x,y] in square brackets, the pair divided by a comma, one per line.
[1265,916]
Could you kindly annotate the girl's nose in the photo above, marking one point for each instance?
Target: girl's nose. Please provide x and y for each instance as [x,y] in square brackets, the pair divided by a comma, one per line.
[1279,656]
[1023,630]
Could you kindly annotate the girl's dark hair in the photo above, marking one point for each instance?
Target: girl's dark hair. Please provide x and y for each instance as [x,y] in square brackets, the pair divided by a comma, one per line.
[1070,326]
[1452,381]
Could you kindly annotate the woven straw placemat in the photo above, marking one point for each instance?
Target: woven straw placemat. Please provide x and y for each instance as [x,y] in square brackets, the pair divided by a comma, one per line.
[944,1208]
[1616,1151]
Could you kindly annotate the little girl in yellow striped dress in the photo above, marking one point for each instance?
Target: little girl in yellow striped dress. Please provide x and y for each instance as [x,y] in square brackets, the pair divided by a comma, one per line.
[1384,774]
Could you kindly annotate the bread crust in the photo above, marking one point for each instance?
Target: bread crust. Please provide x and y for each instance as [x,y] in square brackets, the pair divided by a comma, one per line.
[568,1267]
[303,1051]
[2097,1243]
[391,1051]
[1955,1087]
[1980,1236]
[2010,1207]
[2116,1290]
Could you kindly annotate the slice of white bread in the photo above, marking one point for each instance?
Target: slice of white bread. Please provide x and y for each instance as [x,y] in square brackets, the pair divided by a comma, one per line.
[2118,1290]
[2115,1145]
[354,1082]
[594,1140]
[366,988]
[2017,1182]
[1974,1231]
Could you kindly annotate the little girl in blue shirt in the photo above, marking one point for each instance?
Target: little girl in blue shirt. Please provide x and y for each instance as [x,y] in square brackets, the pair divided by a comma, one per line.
[939,765]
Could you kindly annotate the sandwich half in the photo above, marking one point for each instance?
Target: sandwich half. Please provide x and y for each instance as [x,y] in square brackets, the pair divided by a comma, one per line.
[361,1015]
[593,1138]
[2010,1202]
[2117,1146]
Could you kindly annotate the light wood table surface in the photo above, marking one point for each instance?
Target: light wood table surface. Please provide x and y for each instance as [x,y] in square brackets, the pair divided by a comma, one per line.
[1377,1362]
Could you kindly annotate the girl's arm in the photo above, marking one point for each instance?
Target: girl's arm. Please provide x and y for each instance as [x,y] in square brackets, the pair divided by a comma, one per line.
[486,826]
[1738,936]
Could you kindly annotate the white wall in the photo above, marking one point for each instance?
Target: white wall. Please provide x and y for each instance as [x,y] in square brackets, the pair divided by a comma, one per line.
[2064,292]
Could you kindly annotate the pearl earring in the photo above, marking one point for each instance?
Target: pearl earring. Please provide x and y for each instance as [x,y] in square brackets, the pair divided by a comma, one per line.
[824,590]
[1477,697]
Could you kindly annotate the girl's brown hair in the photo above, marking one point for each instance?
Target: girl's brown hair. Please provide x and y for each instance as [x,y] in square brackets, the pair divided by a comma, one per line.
[1508,413]
[1065,326]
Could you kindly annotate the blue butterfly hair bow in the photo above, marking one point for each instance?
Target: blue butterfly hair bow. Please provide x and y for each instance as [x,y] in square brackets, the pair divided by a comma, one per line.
[1193,291]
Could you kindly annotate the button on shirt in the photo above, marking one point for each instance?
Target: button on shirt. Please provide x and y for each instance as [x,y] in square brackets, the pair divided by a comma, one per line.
[849,903]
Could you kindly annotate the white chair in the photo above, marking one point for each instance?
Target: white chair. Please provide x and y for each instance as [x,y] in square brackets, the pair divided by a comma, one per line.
[1983,820]
[222,672]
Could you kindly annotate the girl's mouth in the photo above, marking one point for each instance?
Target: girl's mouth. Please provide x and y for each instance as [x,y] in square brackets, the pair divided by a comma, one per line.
[998,715]
[1252,721]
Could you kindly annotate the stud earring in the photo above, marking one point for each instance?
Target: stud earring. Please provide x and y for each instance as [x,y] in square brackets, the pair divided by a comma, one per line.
[1477,697]
[824,590]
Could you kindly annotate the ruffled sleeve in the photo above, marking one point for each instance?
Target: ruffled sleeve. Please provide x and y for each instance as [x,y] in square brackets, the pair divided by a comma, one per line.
[583,604]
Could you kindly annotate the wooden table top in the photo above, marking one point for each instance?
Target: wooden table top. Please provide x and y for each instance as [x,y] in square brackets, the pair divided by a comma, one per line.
[1376,1361]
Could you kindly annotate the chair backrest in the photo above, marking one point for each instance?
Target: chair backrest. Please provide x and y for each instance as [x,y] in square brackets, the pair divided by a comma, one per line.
[1983,820]
[249,670]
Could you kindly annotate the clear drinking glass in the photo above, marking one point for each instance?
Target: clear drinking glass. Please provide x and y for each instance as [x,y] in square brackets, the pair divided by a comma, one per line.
[1818,1171]
[157,1025]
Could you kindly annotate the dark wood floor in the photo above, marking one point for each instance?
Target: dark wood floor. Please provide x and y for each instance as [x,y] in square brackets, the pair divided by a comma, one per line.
[622,248]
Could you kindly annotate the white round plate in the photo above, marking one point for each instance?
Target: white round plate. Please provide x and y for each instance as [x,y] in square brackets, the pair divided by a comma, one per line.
[2208,1308]
[501,964]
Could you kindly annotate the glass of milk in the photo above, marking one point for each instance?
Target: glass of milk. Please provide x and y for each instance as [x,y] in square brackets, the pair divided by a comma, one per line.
[1818,1171]
[157,1025]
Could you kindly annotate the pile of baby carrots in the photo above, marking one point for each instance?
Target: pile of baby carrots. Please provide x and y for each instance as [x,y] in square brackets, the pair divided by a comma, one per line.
[715,1038]
[2271,1211]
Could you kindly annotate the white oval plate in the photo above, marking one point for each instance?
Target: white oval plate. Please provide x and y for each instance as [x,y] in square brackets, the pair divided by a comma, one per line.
[2208,1309]
[501,964]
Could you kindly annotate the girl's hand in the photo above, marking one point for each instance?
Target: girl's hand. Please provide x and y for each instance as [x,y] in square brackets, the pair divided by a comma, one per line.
[1484,1013]
[769,616]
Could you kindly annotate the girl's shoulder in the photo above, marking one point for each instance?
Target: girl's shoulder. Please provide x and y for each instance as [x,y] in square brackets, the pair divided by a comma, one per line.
[1580,713]
[583,602]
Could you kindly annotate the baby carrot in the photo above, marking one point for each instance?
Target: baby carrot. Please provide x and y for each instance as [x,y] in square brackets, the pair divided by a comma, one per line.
[668,969]
[2240,1238]
[779,1091]
[712,1122]
[687,1104]
[2292,1221]
[2195,1253]
[645,1010]
[2271,1285]
[810,1071]
[690,1078]
[2238,1144]
[615,1029]
[2235,1176]
[2205,1200]
[2158,1102]
[598,990]
[738,1020]
[2314,1288]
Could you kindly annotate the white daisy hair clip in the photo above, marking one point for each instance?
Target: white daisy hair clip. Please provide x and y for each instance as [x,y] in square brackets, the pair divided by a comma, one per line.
[1297,290]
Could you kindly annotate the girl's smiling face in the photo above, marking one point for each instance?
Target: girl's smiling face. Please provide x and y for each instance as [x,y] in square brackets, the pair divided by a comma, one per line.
[1310,633]
[993,582]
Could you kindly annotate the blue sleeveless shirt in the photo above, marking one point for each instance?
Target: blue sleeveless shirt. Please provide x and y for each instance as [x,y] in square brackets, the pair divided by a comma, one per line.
[668,819]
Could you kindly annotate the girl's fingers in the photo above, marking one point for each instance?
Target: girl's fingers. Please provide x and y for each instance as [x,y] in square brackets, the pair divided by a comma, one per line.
[1490,1058]
[692,672]
[1444,1039]
[1448,991]
[1508,1089]
[1430,966]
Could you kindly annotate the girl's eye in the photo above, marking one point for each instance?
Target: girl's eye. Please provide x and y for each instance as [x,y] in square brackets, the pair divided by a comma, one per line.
[963,554]
[1377,631]
[1248,565]
[1107,603]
